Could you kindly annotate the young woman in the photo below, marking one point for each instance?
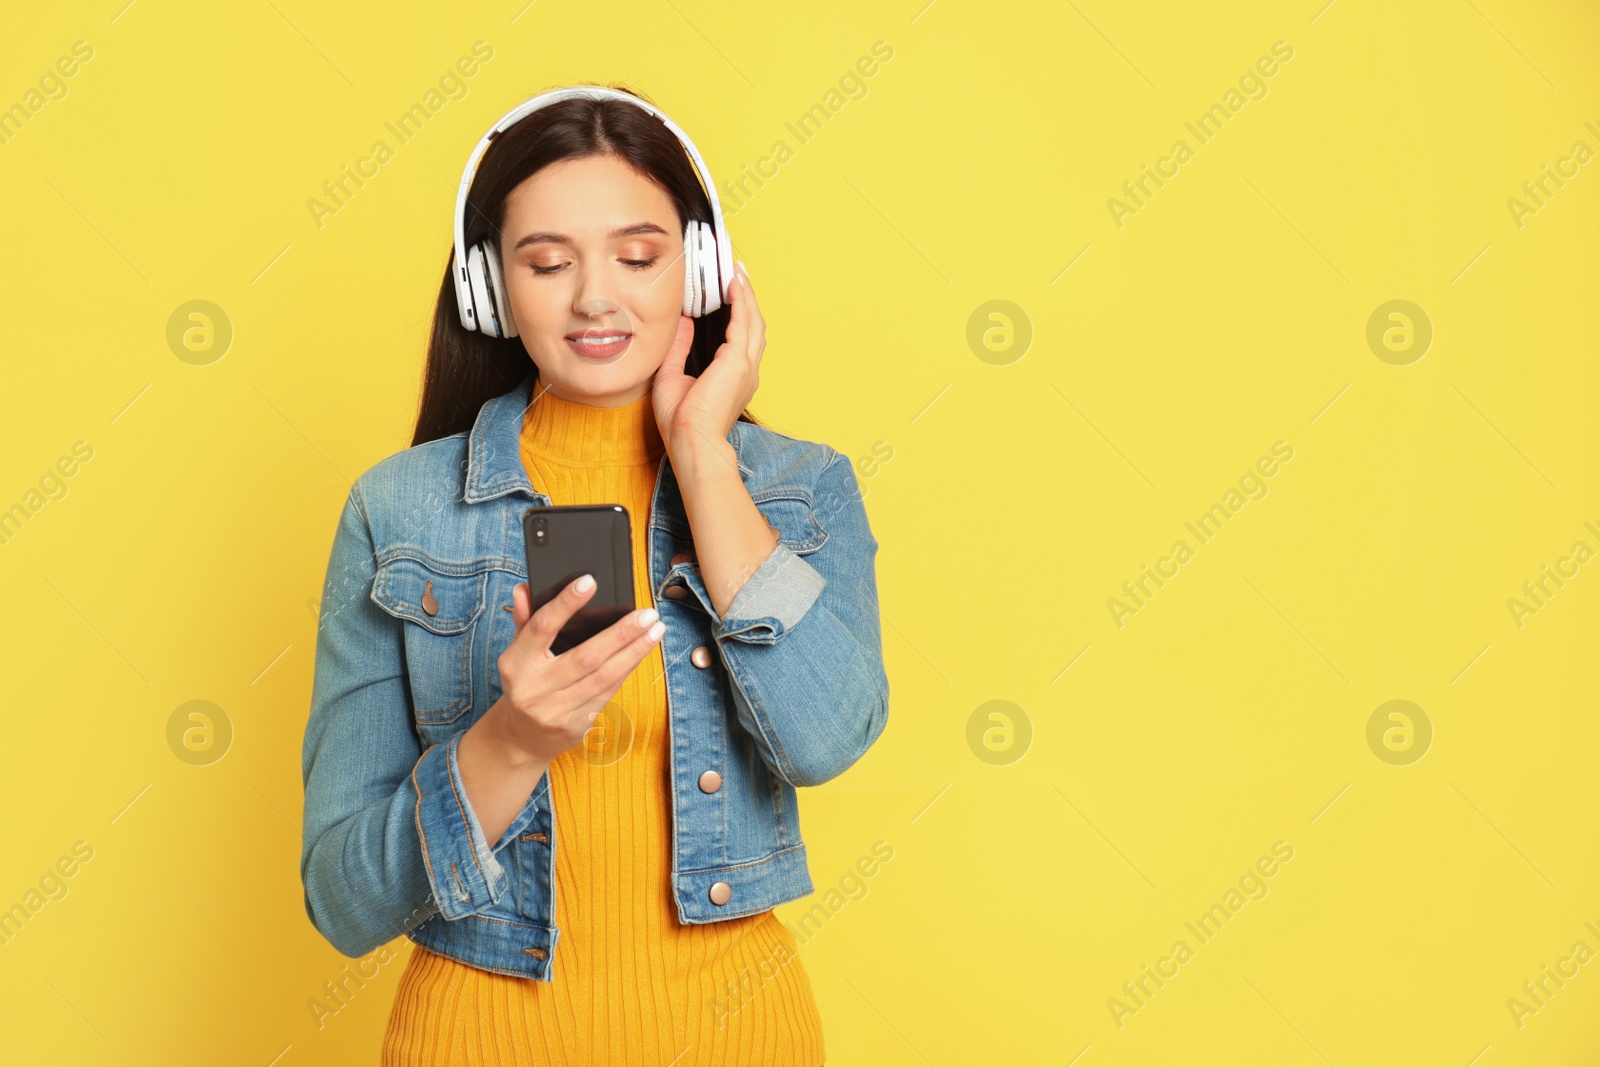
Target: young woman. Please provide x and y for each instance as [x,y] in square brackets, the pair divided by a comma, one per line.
[586,848]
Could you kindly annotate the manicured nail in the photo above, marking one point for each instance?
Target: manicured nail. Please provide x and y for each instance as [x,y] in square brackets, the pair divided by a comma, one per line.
[584,584]
[657,630]
[743,269]
[648,616]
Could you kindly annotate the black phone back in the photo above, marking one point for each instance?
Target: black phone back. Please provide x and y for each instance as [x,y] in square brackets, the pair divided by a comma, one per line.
[568,540]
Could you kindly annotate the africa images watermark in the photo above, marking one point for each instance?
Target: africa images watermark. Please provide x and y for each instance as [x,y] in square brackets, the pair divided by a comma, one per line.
[852,887]
[1537,592]
[452,86]
[52,886]
[1252,885]
[1537,992]
[736,192]
[51,86]
[52,486]
[1252,85]
[1538,192]
[1252,485]
[337,994]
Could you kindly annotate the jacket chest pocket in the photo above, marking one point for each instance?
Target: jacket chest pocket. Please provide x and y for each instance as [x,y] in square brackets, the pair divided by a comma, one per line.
[438,609]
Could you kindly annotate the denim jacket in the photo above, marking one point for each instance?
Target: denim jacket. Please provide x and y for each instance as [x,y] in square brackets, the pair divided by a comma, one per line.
[427,551]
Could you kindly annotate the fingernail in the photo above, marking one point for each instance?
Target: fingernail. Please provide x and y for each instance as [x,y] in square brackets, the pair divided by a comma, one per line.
[584,584]
[743,269]
[657,630]
[648,616]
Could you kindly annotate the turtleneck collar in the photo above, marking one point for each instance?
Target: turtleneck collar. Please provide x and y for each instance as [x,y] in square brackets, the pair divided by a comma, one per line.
[576,434]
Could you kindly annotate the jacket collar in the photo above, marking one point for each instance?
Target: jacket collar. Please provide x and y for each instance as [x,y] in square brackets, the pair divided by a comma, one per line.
[494,447]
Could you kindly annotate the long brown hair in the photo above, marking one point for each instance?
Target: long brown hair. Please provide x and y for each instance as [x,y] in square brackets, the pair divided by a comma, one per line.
[466,369]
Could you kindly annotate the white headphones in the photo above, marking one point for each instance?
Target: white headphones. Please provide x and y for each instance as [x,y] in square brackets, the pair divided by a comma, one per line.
[480,286]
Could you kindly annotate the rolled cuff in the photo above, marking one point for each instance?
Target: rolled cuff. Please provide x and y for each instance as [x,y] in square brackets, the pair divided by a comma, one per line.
[774,600]
[463,872]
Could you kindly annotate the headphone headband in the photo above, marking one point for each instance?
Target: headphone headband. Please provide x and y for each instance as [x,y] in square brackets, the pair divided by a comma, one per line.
[724,247]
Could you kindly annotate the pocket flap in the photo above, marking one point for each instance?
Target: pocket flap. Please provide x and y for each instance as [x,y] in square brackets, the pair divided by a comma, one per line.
[429,595]
[795,520]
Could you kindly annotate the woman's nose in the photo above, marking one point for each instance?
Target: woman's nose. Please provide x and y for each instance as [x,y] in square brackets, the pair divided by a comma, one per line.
[592,300]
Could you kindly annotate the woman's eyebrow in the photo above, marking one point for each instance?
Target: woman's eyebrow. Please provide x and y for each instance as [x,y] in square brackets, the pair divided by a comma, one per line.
[561,238]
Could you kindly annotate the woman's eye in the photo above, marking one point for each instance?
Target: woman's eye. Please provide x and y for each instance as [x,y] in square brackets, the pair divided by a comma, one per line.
[636,264]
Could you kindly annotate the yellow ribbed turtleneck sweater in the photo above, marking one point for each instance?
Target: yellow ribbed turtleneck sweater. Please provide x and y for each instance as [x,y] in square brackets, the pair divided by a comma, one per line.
[631,985]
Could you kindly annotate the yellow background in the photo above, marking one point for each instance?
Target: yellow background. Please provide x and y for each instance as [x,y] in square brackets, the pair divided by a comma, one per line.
[1229,313]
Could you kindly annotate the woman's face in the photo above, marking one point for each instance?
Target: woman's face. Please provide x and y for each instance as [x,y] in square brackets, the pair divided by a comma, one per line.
[591,246]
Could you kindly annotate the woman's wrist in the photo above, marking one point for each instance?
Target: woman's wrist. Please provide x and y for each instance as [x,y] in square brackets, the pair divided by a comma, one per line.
[498,731]
[498,775]
[694,453]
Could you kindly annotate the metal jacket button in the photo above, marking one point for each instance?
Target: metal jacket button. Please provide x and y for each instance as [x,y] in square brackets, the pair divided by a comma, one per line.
[710,782]
[721,892]
[429,603]
[701,657]
[681,557]
[677,592]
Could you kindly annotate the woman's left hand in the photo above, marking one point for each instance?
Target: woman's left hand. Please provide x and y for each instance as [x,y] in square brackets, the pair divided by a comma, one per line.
[692,412]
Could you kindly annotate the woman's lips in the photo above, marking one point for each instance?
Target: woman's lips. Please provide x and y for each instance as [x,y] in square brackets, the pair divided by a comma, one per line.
[600,343]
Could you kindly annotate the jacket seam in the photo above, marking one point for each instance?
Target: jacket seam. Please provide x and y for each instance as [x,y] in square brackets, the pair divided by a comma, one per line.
[512,922]
[777,807]
[423,834]
[472,846]
[361,509]
[742,866]
[479,566]
[466,962]
[763,720]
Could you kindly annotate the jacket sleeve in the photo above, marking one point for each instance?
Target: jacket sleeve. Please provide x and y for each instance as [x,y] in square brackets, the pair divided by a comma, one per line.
[802,644]
[389,839]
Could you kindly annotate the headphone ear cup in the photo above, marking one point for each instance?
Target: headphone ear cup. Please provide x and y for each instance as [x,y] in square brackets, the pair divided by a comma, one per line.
[478,282]
[710,283]
[691,271]
[497,293]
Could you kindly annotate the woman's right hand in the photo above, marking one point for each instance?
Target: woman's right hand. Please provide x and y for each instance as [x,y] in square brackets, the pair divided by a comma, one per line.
[549,701]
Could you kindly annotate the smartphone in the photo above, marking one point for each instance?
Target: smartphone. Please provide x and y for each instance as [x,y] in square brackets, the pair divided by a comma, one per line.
[566,541]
